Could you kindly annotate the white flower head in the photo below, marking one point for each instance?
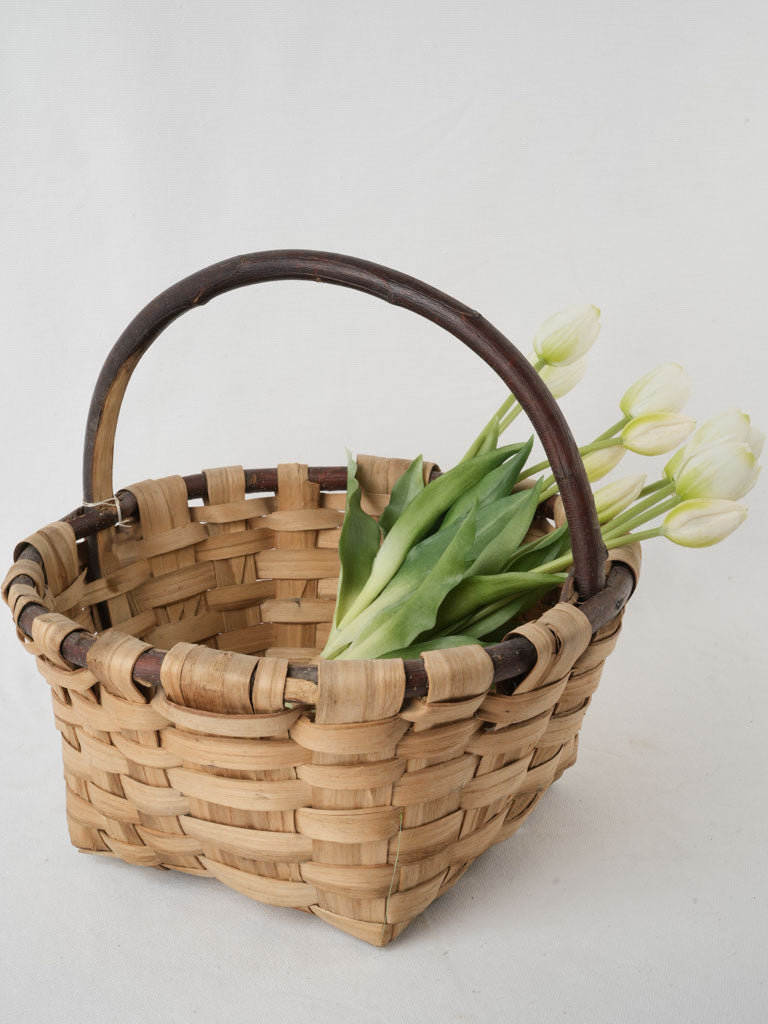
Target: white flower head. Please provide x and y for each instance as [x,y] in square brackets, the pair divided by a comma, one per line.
[562,379]
[665,389]
[600,463]
[568,335]
[673,466]
[732,425]
[701,522]
[726,470]
[613,498]
[756,441]
[656,433]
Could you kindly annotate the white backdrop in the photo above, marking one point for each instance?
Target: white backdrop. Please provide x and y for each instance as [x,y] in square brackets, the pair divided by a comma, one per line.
[522,157]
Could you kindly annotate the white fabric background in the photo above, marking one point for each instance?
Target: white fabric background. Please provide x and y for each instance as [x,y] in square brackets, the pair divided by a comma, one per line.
[522,157]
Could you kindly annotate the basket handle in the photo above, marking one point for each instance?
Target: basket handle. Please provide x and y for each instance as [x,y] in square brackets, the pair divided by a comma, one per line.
[467,325]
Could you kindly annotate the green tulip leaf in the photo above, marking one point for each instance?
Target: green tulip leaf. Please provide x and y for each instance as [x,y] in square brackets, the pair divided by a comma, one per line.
[477,592]
[498,552]
[418,562]
[405,490]
[496,484]
[358,544]
[490,621]
[435,644]
[417,520]
[545,549]
[397,626]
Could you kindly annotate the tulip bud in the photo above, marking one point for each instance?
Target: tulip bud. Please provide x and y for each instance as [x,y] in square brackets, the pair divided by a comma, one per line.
[562,379]
[656,433]
[568,335]
[756,440]
[674,464]
[723,471]
[600,463]
[613,498]
[732,425]
[702,522]
[665,389]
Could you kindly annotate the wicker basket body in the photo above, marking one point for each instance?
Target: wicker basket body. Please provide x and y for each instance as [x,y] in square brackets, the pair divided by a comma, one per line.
[336,787]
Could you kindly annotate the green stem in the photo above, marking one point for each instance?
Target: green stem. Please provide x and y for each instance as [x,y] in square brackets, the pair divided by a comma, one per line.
[614,542]
[598,445]
[558,564]
[631,538]
[474,448]
[503,416]
[609,442]
[533,470]
[510,418]
[549,492]
[651,488]
[510,409]
[619,521]
[638,520]
[503,409]
[619,425]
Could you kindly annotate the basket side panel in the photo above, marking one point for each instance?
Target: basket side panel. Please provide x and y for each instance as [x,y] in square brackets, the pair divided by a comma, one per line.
[556,748]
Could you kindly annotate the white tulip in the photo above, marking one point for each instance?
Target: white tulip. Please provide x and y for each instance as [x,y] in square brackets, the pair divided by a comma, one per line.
[613,498]
[674,464]
[562,379]
[701,522]
[568,335]
[600,463]
[665,389]
[732,425]
[723,471]
[656,433]
[756,441]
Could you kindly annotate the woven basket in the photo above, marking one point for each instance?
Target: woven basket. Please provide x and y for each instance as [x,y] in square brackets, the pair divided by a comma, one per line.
[201,731]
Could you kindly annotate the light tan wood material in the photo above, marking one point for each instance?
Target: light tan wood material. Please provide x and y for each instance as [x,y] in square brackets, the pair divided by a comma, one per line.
[57,547]
[49,632]
[209,680]
[269,684]
[359,691]
[111,660]
[336,797]
[457,672]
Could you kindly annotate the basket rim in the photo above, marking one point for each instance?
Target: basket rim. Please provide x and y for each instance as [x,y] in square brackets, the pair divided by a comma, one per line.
[512,658]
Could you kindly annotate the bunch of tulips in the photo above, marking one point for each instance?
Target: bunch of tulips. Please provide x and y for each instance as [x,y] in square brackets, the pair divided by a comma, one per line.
[459,560]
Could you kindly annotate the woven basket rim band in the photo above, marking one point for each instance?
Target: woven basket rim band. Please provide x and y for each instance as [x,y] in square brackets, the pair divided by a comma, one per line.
[600,610]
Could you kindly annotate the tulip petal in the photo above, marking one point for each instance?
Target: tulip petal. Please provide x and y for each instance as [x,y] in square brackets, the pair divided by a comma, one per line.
[723,471]
[663,389]
[568,335]
[656,433]
[600,463]
[699,523]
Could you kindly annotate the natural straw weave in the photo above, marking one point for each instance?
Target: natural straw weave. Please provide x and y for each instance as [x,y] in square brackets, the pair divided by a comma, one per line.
[336,798]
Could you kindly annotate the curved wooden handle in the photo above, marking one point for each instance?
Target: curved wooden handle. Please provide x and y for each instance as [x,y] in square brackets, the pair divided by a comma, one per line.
[461,321]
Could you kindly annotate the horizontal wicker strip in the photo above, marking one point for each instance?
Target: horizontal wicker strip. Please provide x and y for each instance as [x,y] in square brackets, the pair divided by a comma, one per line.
[340,798]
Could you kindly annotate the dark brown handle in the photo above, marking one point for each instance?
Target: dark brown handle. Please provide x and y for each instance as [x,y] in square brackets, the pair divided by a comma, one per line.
[467,325]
